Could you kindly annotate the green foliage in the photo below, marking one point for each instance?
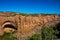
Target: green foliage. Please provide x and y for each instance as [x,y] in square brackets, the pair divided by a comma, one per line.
[35,37]
[8,36]
[47,34]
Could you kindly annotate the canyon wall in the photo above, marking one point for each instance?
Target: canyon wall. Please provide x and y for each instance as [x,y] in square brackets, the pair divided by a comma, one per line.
[28,24]
[31,24]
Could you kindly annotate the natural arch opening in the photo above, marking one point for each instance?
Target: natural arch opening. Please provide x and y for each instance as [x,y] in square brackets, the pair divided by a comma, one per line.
[9,27]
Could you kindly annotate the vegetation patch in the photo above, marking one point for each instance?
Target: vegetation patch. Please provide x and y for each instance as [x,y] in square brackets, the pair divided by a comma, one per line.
[8,36]
[47,33]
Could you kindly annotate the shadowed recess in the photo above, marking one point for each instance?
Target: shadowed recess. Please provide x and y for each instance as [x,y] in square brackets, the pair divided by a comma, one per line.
[58,29]
[10,26]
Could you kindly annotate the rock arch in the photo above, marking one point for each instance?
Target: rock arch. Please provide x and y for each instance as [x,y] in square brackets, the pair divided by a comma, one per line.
[9,25]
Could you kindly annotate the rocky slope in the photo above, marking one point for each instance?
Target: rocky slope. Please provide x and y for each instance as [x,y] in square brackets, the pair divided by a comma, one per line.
[27,24]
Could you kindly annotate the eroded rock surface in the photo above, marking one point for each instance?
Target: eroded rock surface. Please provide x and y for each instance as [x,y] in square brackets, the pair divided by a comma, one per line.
[28,24]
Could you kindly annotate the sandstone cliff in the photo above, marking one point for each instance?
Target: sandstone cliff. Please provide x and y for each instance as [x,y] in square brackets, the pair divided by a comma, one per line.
[26,24]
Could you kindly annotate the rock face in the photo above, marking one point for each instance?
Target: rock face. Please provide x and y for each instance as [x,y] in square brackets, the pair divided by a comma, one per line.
[26,25]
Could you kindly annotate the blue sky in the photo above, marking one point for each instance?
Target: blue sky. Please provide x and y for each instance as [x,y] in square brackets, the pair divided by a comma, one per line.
[31,6]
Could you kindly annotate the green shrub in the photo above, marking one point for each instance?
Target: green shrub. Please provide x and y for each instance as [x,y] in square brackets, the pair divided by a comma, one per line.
[8,36]
[47,34]
[35,37]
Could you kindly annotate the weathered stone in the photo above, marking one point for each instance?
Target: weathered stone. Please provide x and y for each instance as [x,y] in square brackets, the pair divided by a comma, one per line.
[26,25]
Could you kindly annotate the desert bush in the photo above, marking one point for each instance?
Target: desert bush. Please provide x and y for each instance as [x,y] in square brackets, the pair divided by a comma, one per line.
[8,36]
[47,33]
[35,37]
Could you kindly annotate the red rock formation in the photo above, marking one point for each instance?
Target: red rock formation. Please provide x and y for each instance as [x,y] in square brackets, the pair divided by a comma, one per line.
[26,24]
